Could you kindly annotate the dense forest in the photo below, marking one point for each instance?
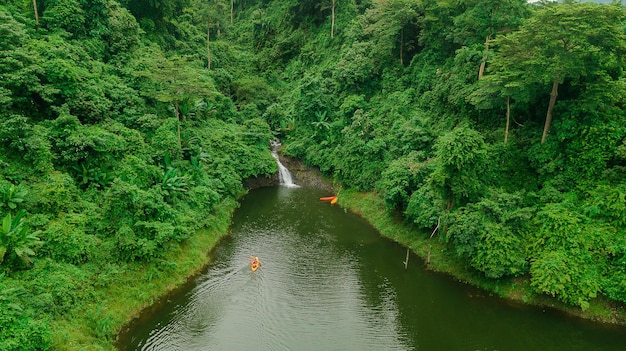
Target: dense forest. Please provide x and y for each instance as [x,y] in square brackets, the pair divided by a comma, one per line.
[126,125]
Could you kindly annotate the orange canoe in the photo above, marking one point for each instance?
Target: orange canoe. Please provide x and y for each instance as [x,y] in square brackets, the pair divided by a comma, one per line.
[328,198]
[333,201]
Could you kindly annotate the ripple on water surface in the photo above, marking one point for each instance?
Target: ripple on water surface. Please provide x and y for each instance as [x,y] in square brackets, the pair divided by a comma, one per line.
[306,296]
[328,282]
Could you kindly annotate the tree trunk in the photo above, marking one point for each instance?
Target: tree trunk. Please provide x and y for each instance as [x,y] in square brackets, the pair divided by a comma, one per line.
[177,111]
[332,21]
[508,119]
[208,48]
[553,94]
[483,63]
[219,32]
[36,12]
[401,43]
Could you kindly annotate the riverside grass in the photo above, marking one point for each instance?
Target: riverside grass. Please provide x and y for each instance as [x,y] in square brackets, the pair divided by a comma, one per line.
[96,326]
[371,207]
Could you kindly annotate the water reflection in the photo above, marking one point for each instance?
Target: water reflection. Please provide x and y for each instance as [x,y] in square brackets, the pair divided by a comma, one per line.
[329,282]
[307,295]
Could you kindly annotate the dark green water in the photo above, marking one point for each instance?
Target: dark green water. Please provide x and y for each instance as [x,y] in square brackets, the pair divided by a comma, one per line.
[330,282]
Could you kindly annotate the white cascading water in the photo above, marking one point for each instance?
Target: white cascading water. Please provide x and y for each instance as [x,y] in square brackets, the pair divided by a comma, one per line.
[284,176]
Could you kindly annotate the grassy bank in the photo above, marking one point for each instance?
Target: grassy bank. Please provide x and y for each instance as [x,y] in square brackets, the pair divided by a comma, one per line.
[436,256]
[135,287]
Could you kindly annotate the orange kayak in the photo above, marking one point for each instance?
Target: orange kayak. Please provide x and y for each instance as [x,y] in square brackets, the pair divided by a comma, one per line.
[328,198]
[333,201]
[254,263]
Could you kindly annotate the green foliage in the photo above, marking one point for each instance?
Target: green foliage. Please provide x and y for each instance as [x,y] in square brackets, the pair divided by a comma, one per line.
[58,287]
[144,241]
[385,24]
[358,159]
[28,141]
[253,90]
[171,79]
[127,144]
[564,275]
[138,171]
[90,174]
[569,255]
[17,241]
[461,162]
[56,193]
[355,70]
[172,182]
[12,196]
[402,177]
[65,240]
[123,30]
[608,202]
[165,140]
[487,18]
[592,129]
[492,234]
[615,278]
[429,136]
[64,14]
[426,206]
[557,44]
[19,329]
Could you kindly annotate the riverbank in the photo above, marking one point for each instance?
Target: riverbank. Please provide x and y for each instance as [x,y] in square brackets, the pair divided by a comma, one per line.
[435,255]
[136,287]
[140,287]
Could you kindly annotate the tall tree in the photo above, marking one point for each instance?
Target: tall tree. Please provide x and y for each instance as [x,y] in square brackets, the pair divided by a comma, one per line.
[329,4]
[484,19]
[437,24]
[36,12]
[458,174]
[385,22]
[332,26]
[212,14]
[503,86]
[172,80]
[564,42]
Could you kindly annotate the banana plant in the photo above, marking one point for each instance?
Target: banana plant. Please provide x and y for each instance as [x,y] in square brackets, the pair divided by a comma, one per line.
[198,161]
[17,239]
[9,298]
[13,196]
[87,174]
[173,182]
[321,125]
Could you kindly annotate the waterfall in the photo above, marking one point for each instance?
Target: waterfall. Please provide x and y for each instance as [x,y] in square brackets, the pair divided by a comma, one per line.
[284,176]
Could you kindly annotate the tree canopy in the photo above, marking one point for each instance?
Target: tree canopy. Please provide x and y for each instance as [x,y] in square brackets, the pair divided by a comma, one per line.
[126,125]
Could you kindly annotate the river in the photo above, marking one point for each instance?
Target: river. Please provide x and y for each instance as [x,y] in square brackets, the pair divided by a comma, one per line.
[328,281]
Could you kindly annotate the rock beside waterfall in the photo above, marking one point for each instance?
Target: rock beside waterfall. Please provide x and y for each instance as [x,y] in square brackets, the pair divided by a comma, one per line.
[302,175]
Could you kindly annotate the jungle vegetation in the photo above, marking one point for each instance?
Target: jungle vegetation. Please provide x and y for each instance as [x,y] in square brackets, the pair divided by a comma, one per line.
[124,125]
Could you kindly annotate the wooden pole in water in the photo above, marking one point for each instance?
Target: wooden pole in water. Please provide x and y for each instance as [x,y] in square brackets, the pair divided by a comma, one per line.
[406,262]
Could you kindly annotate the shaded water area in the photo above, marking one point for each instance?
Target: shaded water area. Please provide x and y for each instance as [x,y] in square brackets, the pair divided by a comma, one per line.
[329,282]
